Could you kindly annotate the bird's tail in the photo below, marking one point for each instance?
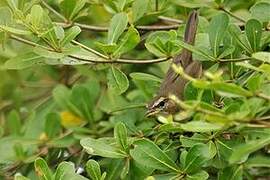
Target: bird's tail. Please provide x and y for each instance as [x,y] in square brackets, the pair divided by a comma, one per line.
[189,37]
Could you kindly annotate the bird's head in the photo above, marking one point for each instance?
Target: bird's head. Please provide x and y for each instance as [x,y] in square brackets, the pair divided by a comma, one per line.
[161,106]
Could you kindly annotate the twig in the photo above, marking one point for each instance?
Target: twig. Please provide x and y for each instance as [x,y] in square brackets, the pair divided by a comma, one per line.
[89,49]
[234,60]
[232,15]
[169,19]
[25,41]
[264,96]
[54,11]
[117,61]
[122,61]
[66,23]
[105,29]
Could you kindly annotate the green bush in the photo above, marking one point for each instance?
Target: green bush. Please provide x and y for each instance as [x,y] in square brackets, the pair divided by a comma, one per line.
[76,75]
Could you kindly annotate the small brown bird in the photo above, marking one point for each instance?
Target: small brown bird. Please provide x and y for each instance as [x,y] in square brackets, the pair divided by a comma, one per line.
[173,83]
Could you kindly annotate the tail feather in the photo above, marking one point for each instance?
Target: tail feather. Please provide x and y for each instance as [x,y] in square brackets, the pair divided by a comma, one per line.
[185,58]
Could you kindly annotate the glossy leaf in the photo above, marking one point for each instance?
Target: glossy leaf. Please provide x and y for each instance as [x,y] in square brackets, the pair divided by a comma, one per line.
[70,35]
[144,77]
[101,148]
[146,152]
[117,26]
[196,157]
[261,11]
[120,134]
[197,51]
[61,96]
[217,28]
[139,8]
[52,125]
[71,8]
[62,169]
[262,56]
[14,30]
[42,169]
[117,81]
[232,172]
[241,152]
[254,33]
[24,61]
[93,170]
[14,123]
[200,126]
[128,42]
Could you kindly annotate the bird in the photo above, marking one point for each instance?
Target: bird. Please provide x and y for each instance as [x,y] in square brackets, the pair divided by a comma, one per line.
[173,83]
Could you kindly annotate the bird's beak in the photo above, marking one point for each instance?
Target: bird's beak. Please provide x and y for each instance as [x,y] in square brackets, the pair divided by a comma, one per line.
[150,112]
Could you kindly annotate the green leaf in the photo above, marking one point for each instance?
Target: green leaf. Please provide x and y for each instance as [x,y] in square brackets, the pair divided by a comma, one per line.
[225,89]
[117,81]
[107,48]
[200,175]
[255,82]
[24,61]
[52,125]
[261,11]
[14,123]
[144,77]
[62,169]
[128,42]
[36,15]
[231,172]
[226,52]
[48,54]
[241,40]
[241,152]
[93,169]
[61,96]
[70,35]
[120,134]
[254,33]
[14,30]
[191,141]
[217,28]
[262,56]
[148,153]
[42,169]
[20,177]
[200,126]
[81,98]
[139,8]
[196,157]
[197,51]
[194,3]
[118,25]
[162,43]
[72,8]
[258,161]
[5,16]
[101,148]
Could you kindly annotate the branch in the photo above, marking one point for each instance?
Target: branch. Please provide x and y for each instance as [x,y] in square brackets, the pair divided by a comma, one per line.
[232,15]
[25,41]
[122,61]
[169,19]
[105,29]
[234,60]
[264,96]
[105,61]
[54,11]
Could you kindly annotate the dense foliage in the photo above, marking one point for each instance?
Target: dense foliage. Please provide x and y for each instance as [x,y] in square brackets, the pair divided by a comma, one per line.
[76,75]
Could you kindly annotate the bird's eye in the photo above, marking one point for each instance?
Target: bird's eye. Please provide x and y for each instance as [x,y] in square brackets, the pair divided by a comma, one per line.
[161,104]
